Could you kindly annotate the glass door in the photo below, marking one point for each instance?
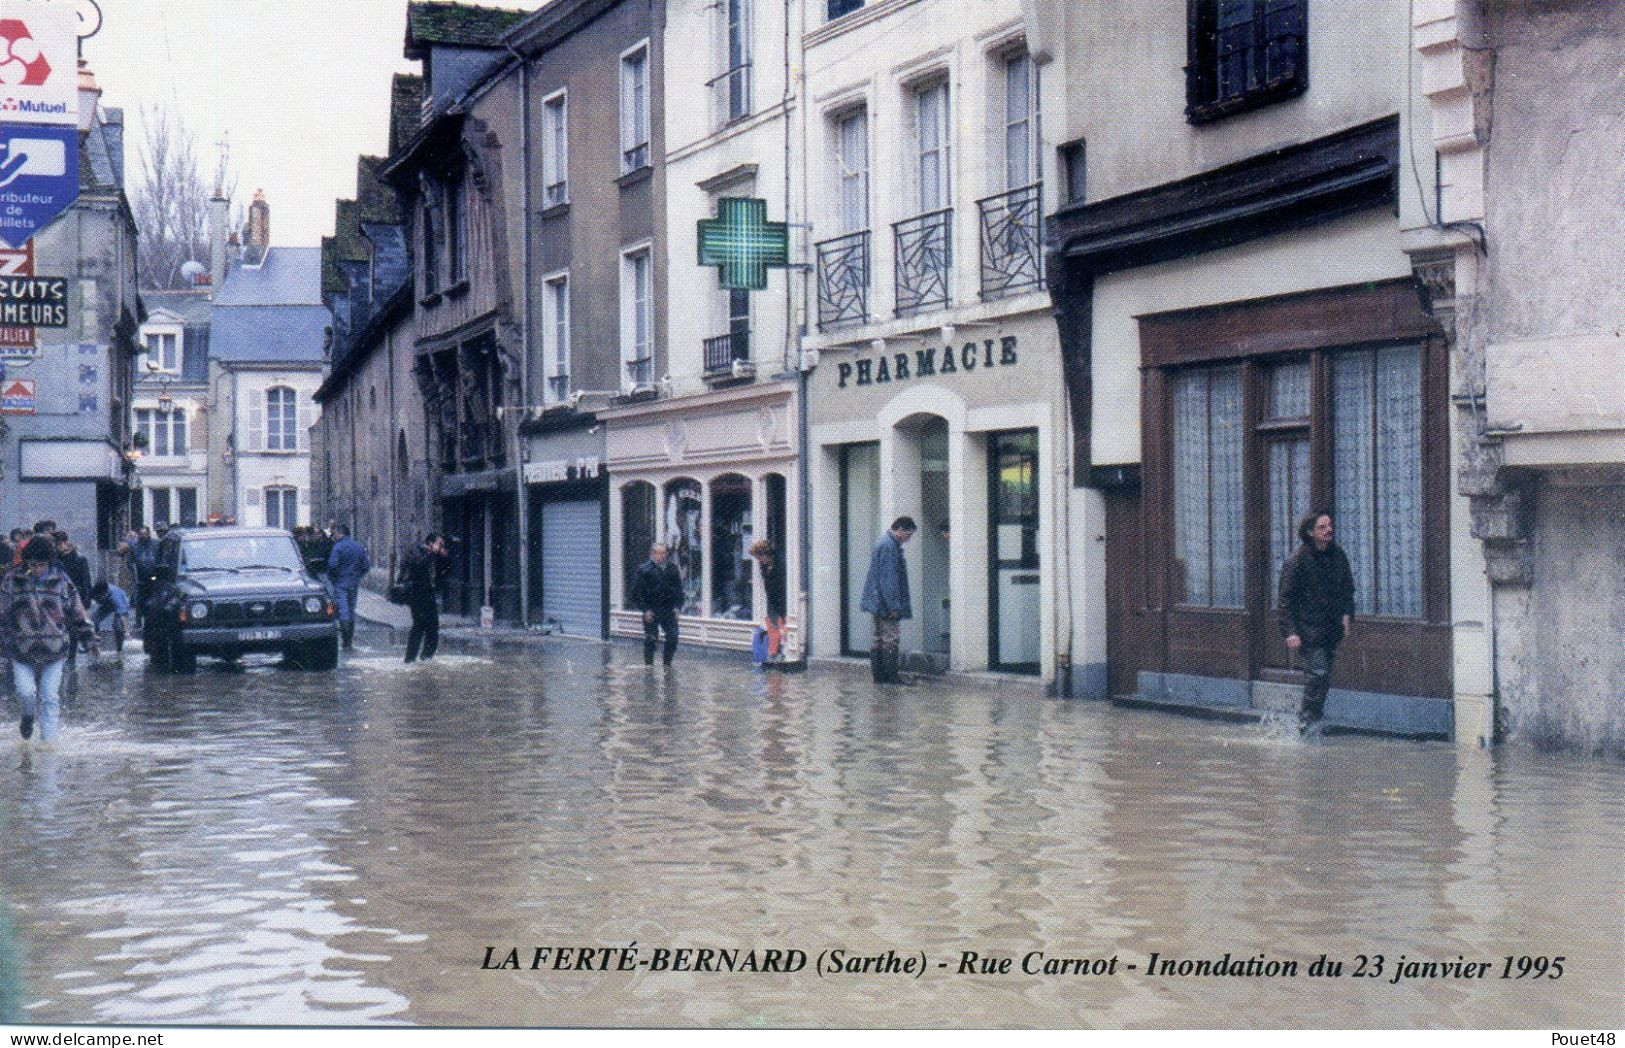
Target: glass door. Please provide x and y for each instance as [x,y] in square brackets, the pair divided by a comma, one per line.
[860,530]
[1285,434]
[1015,612]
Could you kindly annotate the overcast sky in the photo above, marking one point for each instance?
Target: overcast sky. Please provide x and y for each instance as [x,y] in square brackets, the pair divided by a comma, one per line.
[299,88]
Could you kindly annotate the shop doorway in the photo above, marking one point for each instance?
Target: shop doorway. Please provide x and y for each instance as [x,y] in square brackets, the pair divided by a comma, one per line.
[934,538]
[860,528]
[1016,608]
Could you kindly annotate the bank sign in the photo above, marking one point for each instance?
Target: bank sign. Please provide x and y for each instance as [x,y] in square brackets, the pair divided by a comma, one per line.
[39,78]
[39,177]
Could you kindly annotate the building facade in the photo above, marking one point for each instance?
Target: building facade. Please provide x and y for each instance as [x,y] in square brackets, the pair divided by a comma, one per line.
[1245,340]
[594,284]
[710,467]
[170,416]
[1525,114]
[458,177]
[66,450]
[935,393]
[268,339]
[371,445]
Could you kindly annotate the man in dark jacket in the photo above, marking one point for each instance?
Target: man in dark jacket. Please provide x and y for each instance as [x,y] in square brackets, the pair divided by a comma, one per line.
[73,562]
[144,568]
[885,596]
[421,572]
[1316,603]
[347,565]
[657,591]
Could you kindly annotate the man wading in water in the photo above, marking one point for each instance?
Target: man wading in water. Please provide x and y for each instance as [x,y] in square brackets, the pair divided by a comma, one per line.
[1317,600]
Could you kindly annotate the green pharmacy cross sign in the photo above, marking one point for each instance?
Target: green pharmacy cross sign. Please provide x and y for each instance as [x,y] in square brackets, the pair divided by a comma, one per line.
[743,243]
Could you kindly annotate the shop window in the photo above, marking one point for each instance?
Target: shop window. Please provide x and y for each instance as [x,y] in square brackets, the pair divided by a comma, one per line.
[1208,523]
[1377,475]
[860,528]
[731,536]
[637,529]
[681,529]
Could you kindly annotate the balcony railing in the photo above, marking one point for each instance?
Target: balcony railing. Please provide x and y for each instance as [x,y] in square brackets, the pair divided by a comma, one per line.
[924,261]
[730,94]
[843,280]
[725,351]
[1012,241]
[640,372]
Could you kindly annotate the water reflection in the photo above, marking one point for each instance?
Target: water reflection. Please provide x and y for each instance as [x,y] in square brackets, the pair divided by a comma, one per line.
[268,846]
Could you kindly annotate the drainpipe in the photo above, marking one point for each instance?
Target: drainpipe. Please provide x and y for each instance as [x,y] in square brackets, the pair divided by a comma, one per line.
[794,330]
[522,496]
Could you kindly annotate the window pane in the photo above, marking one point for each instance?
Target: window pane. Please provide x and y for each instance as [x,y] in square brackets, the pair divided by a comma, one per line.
[1018,122]
[1289,501]
[1224,420]
[1399,481]
[854,152]
[731,536]
[681,530]
[1191,497]
[1353,501]
[1289,392]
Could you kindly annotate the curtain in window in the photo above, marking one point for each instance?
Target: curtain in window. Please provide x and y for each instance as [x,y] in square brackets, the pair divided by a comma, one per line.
[1399,481]
[1190,489]
[1018,111]
[854,150]
[931,114]
[685,540]
[1353,465]
[1208,508]
[1289,501]
[1224,420]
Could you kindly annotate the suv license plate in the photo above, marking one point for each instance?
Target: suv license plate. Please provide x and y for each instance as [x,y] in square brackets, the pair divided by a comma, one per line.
[246,635]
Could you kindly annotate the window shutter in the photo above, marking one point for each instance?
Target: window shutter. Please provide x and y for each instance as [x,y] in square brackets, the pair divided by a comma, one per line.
[253,496]
[304,497]
[256,428]
[306,420]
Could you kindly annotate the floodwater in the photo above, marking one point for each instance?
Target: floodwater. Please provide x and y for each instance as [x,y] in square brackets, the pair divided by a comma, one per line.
[266,846]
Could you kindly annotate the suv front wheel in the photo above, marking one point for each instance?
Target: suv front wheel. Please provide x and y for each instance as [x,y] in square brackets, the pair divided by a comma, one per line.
[177,658]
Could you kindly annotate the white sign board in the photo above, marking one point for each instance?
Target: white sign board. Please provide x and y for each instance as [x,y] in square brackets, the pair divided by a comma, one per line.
[39,49]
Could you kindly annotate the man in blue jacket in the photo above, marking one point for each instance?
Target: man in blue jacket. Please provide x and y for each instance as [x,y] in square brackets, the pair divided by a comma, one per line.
[885,596]
[347,565]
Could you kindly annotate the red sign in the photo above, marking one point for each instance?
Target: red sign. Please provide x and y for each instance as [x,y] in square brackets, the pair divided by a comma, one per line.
[17,397]
[17,262]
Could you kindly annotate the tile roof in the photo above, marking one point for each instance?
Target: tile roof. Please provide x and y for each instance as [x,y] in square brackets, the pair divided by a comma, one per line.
[290,276]
[455,25]
[270,334]
[405,110]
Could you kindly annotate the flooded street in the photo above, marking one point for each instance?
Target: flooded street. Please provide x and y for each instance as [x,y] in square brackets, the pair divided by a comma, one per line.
[270,846]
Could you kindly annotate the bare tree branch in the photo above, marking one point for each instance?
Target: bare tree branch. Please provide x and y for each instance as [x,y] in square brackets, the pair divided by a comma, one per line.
[171,198]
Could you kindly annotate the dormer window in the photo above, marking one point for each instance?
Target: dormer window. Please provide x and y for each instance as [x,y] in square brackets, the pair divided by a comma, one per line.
[163,352]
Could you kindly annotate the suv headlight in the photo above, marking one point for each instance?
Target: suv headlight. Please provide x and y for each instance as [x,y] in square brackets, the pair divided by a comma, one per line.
[198,610]
[313,605]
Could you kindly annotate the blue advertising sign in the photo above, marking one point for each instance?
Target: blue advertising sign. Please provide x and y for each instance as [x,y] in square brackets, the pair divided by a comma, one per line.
[39,177]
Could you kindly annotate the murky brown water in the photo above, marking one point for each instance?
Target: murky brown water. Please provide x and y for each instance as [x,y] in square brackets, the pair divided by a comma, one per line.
[280,847]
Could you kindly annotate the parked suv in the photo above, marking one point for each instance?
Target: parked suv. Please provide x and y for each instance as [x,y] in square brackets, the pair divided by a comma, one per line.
[227,591]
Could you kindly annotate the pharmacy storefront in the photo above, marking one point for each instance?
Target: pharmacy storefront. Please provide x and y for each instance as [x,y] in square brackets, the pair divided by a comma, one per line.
[962,430]
[707,475]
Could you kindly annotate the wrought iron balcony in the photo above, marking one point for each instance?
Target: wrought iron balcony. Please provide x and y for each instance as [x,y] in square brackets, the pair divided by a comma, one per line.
[730,95]
[843,280]
[641,372]
[1012,241]
[724,353]
[924,261]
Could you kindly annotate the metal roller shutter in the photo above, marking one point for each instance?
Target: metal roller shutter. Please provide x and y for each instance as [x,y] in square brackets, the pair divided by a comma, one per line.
[572,566]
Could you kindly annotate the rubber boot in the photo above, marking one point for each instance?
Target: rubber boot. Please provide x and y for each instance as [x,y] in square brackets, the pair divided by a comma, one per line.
[877,666]
[347,634]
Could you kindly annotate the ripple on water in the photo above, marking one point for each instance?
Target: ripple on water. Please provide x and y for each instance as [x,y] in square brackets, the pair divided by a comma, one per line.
[283,847]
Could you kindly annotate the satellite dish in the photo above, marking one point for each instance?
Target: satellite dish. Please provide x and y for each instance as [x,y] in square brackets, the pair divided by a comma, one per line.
[192,269]
[90,18]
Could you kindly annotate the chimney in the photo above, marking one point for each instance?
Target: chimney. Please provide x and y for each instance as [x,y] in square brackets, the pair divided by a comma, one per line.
[258,236]
[218,220]
[90,96]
